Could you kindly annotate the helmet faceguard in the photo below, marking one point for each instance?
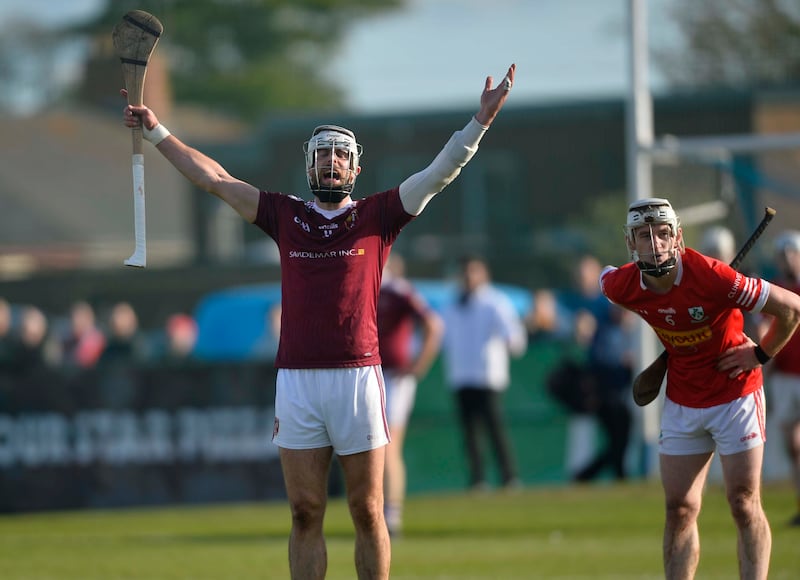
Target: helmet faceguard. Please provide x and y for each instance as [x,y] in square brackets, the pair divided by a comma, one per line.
[335,139]
[647,213]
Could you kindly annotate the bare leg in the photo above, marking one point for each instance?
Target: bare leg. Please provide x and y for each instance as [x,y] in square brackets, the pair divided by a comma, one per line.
[742,472]
[305,473]
[363,474]
[395,480]
[683,478]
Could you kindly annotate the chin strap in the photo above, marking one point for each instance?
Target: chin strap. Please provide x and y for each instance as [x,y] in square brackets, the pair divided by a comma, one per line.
[330,195]
[657,271]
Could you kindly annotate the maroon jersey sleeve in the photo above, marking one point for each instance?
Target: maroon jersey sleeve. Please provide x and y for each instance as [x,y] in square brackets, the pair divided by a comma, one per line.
[330,276]
[788,359]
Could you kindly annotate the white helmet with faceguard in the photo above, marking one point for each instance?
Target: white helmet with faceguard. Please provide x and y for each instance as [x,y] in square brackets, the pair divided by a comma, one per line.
[333,138]
[787,253]
[787,241]
[649,212]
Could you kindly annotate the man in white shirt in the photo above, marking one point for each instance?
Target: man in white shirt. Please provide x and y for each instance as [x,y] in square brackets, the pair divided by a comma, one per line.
[482,332]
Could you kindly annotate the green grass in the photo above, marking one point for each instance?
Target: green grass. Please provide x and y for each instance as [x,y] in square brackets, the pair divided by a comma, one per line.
[602,531]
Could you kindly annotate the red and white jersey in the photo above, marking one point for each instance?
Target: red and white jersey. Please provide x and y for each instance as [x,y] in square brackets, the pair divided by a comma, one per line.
[330,276]
[788,359]
[696,321]
[400,308]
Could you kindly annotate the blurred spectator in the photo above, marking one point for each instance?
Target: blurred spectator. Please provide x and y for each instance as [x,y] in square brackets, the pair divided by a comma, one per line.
[181,334]
[593,379]
[571,383]
[610,364]
[482,331]
[84,342]
[584,328]
[544,322]
[403,315]
[35,350]
[124,350]
[586,295]
[124,342]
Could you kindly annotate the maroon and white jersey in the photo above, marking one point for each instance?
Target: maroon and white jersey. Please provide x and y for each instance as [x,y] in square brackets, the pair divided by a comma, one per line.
[788,359]
[330,276]
[400,308]
[696,321]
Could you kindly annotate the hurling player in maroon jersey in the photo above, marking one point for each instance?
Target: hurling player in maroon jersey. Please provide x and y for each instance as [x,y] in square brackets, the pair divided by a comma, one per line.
[714,397]
[410,334]
[329,391]
[783,379]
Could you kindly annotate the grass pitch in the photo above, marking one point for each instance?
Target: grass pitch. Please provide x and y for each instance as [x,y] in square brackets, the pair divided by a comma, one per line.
[599,532]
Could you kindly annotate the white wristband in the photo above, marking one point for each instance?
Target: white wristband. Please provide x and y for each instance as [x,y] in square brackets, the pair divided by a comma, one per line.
[157,134]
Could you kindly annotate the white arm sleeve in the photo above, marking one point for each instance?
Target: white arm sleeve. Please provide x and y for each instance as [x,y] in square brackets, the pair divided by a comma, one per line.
[419,189]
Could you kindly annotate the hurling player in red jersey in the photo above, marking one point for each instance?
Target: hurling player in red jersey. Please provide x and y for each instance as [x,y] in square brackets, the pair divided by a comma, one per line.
[783,379]
[714,397]
[329,390]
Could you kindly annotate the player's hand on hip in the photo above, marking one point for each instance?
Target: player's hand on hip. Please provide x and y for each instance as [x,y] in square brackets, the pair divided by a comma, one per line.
[138,115]
[738,359]
[493,98]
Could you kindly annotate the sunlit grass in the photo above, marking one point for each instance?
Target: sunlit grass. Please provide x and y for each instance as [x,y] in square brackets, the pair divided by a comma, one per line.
[602,531]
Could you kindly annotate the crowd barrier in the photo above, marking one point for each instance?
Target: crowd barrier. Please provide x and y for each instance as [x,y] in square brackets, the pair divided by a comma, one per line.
[128,435]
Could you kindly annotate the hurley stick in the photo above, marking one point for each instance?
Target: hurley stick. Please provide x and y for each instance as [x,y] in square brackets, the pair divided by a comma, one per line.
[647,384]
[135,38]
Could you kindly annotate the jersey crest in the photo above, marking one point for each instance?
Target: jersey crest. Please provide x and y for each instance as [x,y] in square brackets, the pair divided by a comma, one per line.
[697,313]
[350,220]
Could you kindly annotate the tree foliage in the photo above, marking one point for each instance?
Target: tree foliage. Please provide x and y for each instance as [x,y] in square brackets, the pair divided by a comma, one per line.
[734,43]
[246,57]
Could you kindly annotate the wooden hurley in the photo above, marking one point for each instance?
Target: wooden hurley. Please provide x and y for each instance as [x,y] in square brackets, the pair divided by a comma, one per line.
[135,38]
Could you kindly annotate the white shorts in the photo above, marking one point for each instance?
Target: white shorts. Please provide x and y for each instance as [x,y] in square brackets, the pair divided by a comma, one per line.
[401,390]
[730,428]
[784,398]
[340,408]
